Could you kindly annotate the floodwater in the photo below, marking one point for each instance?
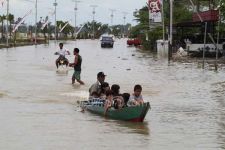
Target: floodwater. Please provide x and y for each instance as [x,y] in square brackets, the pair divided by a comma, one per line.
[39,111]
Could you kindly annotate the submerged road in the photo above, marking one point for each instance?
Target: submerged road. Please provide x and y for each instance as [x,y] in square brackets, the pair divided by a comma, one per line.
[38,106]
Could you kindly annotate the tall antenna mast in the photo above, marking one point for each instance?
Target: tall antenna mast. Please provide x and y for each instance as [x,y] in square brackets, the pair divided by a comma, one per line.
[112,15]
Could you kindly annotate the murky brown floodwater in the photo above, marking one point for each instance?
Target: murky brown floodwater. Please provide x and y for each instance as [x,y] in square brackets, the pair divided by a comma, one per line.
[38,106]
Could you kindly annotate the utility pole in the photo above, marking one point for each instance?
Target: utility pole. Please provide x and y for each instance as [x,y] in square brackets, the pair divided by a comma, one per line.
[36,22]
[112,15]
[93,22]
[124,22]
[7,25]
[205,34]
[171,31]
[163,23]
[55,4]
[218,35]
[75,18]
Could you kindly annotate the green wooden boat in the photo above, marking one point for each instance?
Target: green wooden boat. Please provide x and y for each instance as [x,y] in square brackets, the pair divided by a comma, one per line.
[131,113]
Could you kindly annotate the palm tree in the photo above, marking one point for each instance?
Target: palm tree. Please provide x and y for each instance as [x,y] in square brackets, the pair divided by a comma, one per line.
[59,25]
[11,20]
[2,18]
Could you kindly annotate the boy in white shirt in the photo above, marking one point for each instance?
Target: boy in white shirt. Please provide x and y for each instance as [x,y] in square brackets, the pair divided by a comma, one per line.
[136,98]
[62,55]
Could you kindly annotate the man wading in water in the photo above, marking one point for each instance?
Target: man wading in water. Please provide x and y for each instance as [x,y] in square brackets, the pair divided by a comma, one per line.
[77,66]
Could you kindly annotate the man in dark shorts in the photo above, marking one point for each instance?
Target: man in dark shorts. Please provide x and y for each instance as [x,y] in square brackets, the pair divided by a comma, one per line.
[77,66]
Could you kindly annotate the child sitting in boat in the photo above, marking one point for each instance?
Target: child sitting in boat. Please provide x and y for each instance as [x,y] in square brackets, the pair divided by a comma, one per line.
[104,88]
[94,95]
[108,101]
[136,97]
[117,97]
[126,97]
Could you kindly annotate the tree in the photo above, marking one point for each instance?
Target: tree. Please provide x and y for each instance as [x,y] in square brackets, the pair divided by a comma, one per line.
[2,18]
[11,20]
[16,22]
[182,12]
[68,28]
[45,29]
[99,28]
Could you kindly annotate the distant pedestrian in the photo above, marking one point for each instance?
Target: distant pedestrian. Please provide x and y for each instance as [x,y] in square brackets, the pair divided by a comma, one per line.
[77,67]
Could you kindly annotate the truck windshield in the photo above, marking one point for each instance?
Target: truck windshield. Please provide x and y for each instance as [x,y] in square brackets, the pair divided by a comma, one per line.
[107,38]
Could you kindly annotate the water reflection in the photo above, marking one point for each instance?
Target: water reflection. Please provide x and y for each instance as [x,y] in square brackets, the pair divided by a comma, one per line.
[119,126]
[131,127]
[218,94]
[62,71]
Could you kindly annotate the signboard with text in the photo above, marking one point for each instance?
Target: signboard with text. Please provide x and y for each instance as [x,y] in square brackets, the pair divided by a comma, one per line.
[155,7]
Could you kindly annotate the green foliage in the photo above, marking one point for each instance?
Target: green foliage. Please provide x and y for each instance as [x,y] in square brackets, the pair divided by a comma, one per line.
[142,17]
[11,18]
[222,10]
[182,12]
[99,29]
[153,35]
[67,30]
[2,19]
[136,31]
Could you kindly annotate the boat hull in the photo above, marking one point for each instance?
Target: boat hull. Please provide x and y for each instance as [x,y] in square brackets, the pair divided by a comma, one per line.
[132,113]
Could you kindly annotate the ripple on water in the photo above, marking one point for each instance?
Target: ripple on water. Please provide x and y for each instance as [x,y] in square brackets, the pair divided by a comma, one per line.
[81,94]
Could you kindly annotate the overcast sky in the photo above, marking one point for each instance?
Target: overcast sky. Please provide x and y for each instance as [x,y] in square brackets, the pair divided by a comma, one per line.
[65,10]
